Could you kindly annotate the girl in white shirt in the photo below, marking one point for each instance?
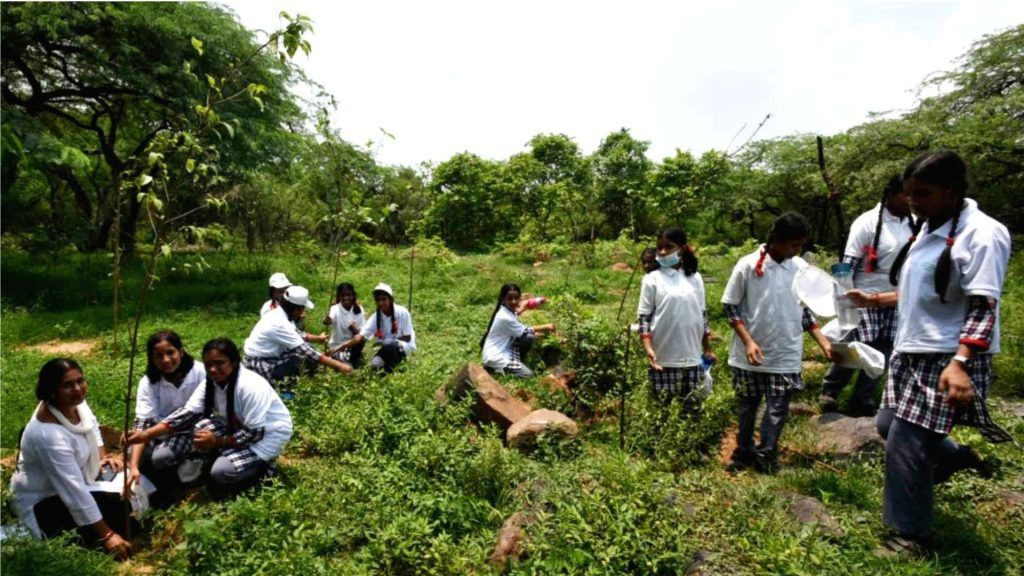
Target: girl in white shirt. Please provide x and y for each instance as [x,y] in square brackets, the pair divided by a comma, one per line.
[234,416]
[507,341]
[346,318]
[950,277]
[390,327]
[767,347]
[172,375]
[61,455]
[673,321]
[875,238]
[278,284]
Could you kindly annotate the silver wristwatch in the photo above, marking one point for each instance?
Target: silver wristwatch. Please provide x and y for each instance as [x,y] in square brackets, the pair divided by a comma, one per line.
[963,360]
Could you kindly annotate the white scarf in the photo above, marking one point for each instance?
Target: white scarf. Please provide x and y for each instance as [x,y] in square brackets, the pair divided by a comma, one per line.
[86,426]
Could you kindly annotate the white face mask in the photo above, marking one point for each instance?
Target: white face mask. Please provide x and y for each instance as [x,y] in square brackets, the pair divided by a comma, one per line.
[669,260]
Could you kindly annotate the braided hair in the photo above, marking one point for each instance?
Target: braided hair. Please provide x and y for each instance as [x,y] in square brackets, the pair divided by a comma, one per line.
[356,308]
[230,350]
[894,185]
[394,318]
[677,236]
[945,169]
[789,226]
[505,289]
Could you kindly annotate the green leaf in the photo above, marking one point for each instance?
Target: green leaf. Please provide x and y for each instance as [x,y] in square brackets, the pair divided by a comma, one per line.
[143,180]
[211,81]
[229,128]
[154,157]
[198,45]
[165,250]
[258,102]
[190,165]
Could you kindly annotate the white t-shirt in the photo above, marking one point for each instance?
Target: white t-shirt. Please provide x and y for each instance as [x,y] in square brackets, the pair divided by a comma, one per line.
[981,251]
[272,336]
[497,352]
[52,462]
[158,401]
[404,321]
[771,312]
[894,234]
[340,321]
[257,405]
[677,327]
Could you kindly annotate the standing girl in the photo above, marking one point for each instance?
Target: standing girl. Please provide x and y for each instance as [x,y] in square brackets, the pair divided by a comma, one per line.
[507,341]
[171,378]
[390,326]
[767,347]
[674,324]
[875,238]
[950,276]
[234,416]
[278,284]
[346,318]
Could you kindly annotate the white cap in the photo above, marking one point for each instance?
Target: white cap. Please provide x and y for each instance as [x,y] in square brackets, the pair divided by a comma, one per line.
[382,287]
[279,280]
[299,296]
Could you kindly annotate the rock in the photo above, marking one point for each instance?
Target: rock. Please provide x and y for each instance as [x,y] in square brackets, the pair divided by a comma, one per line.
[696,567]
[111,437]
[808,510]
[845,436]
[511,534]
[802,409]
[1011,500]
[493,403]
[538,264]
[523,434]
[560,380]
[620,267]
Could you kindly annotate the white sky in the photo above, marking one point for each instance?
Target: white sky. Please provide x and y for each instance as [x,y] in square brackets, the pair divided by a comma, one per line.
[445,77]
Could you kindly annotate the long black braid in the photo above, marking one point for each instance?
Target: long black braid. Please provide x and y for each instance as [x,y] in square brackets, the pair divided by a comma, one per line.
[894,185]
[230,350]
[505,289]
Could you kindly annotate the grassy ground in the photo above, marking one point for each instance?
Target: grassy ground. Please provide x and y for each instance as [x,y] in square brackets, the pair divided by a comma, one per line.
[377,479]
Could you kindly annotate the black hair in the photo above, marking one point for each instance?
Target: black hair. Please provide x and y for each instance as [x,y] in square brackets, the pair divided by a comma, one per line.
[394,316]
[894,186]
[648,258]
[677,236]
[355,299]
[505,289]
[289,307]
[184,367]
[946,169]
[228,348]
[789,226]
[50,376]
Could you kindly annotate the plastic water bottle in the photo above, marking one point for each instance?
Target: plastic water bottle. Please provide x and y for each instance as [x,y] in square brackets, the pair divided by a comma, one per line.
[846,312]
[706,362]
[535,302]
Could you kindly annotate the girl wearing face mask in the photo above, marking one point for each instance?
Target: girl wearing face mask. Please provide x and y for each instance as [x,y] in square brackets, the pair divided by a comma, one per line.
[673,320]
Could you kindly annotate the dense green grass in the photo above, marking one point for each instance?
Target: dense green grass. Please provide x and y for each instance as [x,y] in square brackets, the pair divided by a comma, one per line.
[378,480]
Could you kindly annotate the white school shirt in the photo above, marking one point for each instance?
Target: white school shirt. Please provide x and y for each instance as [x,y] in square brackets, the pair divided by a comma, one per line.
[894,235]
[257,405]
[404,320]
[340,320]
[771,312]
[52,462]
[497,352]
[677,304]
[980,254]
[158,401]
[272,336]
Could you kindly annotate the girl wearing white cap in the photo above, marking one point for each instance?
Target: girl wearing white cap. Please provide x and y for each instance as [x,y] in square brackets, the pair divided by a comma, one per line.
[278,284]
[390,326]
[275,349]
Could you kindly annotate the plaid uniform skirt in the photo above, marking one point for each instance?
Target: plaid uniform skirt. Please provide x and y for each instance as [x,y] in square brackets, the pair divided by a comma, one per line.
[676,381]
[241,457]
[912,392]
[748,383]
[876,324]
[264,366]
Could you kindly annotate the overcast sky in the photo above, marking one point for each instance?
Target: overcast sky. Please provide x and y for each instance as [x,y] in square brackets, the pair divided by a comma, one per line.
[445,77]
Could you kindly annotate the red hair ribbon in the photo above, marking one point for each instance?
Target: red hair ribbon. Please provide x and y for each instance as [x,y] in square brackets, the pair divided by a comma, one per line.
[949,241]
[759,267]
[872,263]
